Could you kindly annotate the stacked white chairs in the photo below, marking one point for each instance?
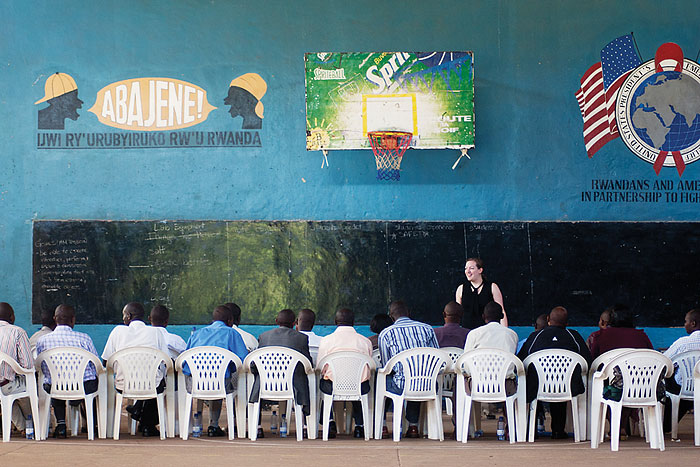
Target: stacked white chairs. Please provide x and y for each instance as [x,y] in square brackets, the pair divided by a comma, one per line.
[207,366]
[597,365]
[555,368]
[66,367]
[275,368]
[488,370]
[696,403]
[685,363]
[347,369]
[139,368]
[641,370]
[6,401]
[422,370]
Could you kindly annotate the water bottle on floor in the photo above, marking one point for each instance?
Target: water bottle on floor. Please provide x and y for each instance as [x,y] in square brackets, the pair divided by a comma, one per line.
[273,422]
[197,425]
[501,429]
[29,428]
[283,426]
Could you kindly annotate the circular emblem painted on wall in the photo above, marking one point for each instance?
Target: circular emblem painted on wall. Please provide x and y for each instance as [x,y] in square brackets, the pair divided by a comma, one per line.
[658,110]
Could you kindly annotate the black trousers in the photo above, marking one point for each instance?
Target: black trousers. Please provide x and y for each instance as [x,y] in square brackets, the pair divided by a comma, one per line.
[59,406]
[148,408]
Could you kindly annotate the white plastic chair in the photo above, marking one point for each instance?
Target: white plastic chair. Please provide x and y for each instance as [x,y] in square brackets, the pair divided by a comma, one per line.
[139,368]
[555,368]
[448,379]
[488,370]
[30,391]
[696,403]
[598,365]
[641,370]
[377,357]
[275,367]
[422,369]
[347,369]
[207,365]
[685,362]
[66,367]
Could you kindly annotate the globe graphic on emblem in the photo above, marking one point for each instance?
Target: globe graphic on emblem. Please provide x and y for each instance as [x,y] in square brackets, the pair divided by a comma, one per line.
[665,111]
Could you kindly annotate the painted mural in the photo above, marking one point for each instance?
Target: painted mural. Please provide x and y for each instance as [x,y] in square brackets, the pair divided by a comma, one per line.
[653,106]
[150,111]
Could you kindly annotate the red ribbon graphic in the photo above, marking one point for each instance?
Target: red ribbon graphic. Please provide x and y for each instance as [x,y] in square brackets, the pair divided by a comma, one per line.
[669,52]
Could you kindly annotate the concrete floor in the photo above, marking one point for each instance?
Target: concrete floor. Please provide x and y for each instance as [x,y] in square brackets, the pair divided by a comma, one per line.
[343,451]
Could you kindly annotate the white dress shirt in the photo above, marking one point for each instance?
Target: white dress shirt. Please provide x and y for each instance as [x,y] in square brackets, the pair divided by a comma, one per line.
[251,343]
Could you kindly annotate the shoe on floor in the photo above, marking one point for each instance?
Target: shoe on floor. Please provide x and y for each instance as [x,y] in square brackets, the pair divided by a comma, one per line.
[412,432]
[215,432]
[332,430]
[359,432]
[60,431]
[261,433]
[149,431]
[385,433]
[560,435]
[134,412]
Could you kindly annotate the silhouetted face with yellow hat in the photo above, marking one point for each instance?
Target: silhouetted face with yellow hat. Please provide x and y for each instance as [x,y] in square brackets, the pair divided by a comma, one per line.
[244,96]
[61,93]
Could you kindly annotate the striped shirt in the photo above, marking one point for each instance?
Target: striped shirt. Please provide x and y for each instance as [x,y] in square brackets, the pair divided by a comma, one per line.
[404,334]
[683,344]
[65,336]
[15,343]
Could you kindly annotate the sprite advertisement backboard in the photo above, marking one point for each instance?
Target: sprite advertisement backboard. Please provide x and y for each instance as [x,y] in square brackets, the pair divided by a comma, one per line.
[429,94]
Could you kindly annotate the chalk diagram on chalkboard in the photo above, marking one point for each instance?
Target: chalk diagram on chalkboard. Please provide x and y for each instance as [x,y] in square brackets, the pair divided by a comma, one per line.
[193,266]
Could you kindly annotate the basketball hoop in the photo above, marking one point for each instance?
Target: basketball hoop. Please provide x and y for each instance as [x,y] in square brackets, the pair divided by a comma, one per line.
[388,148]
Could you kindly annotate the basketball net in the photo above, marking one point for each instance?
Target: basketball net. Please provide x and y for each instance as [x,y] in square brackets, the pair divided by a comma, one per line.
[388,148]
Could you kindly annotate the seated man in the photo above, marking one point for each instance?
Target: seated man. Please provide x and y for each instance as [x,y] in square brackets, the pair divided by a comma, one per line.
[540,323]
[159,319]
[15,343]
[452,334]
[251,343]
[345,339]
[285,336]
[556,336]
[377,324]
[493,334]
[404,334]
[47,325]
[682,344]
[218,334]
[135,333]
[617,334]
[64,336]
[304,324]
[602,324]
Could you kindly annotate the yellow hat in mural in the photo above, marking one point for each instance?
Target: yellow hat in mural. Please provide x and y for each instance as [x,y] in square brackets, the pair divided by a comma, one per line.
[56,85]
[254,84]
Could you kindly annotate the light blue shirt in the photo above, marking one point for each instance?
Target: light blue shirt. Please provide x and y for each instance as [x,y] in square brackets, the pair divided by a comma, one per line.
[217,334]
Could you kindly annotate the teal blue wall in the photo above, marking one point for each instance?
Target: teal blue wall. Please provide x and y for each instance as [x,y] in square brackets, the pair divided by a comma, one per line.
[529,162]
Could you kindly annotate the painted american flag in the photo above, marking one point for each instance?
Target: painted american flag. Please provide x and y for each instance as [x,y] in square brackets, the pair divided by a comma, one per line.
[599,88]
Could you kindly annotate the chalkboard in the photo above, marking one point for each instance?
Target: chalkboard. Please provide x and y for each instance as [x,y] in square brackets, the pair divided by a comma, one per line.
[192,266]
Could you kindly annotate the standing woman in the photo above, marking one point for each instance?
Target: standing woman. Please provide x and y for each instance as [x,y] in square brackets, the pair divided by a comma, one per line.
[475,293]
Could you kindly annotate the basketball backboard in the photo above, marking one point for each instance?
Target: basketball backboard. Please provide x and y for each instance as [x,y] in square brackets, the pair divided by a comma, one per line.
[429,94]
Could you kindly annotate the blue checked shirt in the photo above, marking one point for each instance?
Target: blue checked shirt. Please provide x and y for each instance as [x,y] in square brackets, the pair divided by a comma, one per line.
[65,336]
[404,334]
